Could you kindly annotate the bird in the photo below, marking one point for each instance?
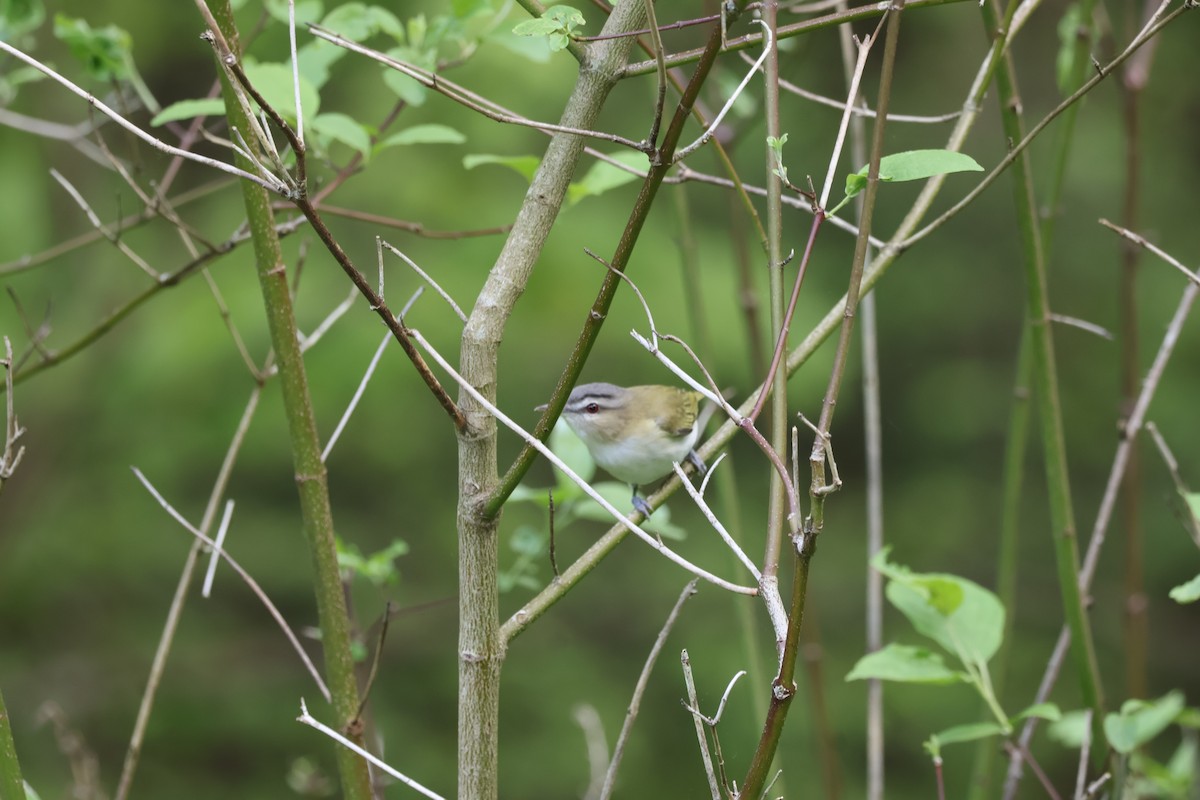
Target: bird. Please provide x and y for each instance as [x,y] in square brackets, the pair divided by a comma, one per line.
[637,433]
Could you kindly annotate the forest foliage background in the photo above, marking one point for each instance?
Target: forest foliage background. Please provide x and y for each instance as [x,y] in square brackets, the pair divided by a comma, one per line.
[88,561]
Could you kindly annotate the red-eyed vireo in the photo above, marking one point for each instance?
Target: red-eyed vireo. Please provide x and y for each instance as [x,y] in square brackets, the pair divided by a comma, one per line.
[636,432]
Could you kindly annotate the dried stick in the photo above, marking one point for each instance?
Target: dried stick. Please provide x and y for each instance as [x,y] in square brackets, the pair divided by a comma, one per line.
[245,576]
[639,689]
[306,719]
[693,703]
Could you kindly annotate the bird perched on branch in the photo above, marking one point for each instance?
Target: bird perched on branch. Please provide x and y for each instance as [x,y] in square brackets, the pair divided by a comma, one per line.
[637,433]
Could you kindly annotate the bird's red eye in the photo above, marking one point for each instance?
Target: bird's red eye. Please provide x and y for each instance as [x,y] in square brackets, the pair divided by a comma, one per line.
[592,408]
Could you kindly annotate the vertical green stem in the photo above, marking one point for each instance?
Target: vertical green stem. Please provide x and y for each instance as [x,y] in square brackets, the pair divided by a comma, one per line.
[311,477]
[11,784]
[1045,374]
[1006,564]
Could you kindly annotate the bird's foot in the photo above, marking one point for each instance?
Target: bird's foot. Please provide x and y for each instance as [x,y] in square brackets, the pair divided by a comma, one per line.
[696,461]
[642,506]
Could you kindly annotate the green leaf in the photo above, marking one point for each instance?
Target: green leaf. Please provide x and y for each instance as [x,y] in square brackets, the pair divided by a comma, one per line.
[529,541]
[1187,592]
[574,453]
[357,21]
[379,568]
[603,176]
[913,165]
[897,662]
[104,52]
[557,23]
[1046,711]
[274,82]
[188,109]
[970,732]
[19,17]
[1139,721]
[30,793]
[618,496]
[423,134]
[315,60]
[306,11]
[776,143]
[1193,501]
[960,615]
[1069,26]
[1069,729]
[525,166]
[409,89]
[345,129]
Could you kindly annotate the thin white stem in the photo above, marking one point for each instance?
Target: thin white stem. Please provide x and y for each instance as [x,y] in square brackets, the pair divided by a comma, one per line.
[308,720]
[1129,433]
[333,316]
[597,748]
[206,590]
[709,473]
[425,277]
[730,542]
[716,718]
[688,379]
[768,43]
[1085,746]
[274,185]
[864,50]
[533,442]
[1083,325]
[295,70]
[693,702]
[358,393]
[245,576]
[639,689]
[99,226]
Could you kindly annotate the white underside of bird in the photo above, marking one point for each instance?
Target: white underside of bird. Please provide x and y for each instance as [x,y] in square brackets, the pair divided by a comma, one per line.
[643,458]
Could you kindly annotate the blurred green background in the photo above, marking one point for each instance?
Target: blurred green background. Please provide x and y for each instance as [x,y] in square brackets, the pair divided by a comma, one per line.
[88,561]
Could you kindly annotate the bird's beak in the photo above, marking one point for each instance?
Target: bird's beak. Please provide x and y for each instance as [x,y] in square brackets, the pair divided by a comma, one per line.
[542,407]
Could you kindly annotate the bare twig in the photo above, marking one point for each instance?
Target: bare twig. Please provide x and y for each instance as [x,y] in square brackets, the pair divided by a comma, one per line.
[9,458]
[273,185]
[597,749]
[435,82]
[223,529]
[693,702]
[425,276]
[308,720]
[245,576]
[639,689]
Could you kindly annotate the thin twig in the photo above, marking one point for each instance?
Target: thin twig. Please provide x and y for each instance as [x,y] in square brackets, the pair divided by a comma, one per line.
[308,720]
[277,186]
[710,131]
[431,80]
[245,576]
[425,276]
[693,702]
[597,748]
[114,239]
[376,660]
[167,637]
[222,530]
[639,689]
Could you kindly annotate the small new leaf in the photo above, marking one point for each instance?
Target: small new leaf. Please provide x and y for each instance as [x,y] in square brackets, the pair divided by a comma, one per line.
[913,165]
[558,24]
[776,146]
